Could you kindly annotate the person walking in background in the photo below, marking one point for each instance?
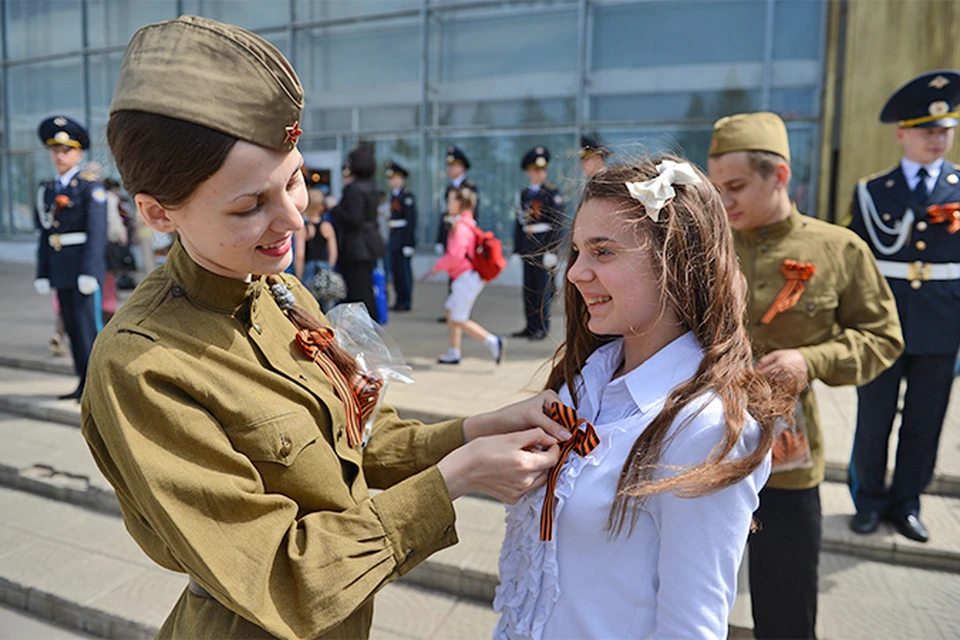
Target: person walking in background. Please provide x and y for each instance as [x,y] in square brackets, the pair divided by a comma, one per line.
[539,229]
[71,257]
[817,308]
[910,215]
[593,156]
[466,282]
[358,235]
[403,235]
[457,165]
[315,245]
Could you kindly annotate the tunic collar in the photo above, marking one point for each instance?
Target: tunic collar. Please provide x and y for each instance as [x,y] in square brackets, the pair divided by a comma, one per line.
[773,231]
[198,285]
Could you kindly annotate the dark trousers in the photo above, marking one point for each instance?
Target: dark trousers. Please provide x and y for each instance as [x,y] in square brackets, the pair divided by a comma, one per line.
[537,294]
[402,279]
[358,276]
[79,314]
[929,380]
[784,552]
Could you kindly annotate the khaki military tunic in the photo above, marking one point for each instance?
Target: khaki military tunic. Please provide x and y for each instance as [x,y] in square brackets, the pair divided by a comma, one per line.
[228,453]
[845,323]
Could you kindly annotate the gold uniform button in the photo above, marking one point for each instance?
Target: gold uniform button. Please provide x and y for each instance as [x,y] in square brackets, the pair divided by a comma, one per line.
[285,445]
[921,245]
[915,284]
[921,226]
[886,217]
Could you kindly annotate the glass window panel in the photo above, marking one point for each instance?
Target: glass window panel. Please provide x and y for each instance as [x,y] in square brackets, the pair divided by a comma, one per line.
[794,103]
[498,47]
[310,10]
[42,27]
[317,144]
[112,22]
[507,113]
[387,118]
[27,171]
[802,141]
[330,59]
[677,32]
[249,14]
[104,69]
[40,90]
[797,29]
[495,168]
[279,39]
[694,106]
[316,120]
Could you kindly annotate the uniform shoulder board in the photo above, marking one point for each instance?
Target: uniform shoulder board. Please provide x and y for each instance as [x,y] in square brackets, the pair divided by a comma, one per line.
[470,183]
[550,186]
[88,176]
[957,167]
[878,174]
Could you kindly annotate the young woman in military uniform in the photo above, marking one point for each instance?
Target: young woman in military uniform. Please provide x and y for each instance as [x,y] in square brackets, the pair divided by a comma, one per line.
[225,417]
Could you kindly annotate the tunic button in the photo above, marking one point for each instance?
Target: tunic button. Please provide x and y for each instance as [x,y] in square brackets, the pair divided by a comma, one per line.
[763,248]
[761,284]
[285,445]
[55,224]
[811,307]
[915,284]
[921,226]
[339,431]
[177,291]
[921,245]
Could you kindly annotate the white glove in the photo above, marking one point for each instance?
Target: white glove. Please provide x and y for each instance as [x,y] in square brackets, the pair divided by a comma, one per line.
[87,284]
[42,285]
[408,252]
[516,260]
[549,260]
[439,249]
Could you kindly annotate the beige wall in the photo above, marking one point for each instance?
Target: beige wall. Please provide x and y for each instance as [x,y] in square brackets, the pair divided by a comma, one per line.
[888,42]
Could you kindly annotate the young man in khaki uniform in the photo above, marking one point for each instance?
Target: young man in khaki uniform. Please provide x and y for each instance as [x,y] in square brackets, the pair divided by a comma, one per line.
[817,307]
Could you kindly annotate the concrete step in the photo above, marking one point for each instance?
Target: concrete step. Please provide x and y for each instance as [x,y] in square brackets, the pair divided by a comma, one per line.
[29,386]
[82,570]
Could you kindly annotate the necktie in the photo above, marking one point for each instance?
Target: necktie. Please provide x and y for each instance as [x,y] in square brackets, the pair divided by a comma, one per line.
[920,191]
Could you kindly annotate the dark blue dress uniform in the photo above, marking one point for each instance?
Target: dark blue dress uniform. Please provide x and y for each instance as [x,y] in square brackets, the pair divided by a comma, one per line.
[920,255]
[403,239]
[72,221]
[455,155]
[537,236]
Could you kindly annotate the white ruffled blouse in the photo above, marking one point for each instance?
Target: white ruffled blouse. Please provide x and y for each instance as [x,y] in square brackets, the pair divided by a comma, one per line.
[675,575]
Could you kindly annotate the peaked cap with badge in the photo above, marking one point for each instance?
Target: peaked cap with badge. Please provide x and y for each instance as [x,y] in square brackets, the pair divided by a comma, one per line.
[536,158]
[929,100]
[392,168]
[63,131]
[455,155]
[760,131]
[242,466]
[590,147]
[226,78]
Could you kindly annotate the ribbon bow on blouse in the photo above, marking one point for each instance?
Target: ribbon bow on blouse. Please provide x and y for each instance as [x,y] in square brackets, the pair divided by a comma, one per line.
[656,193]
[359,398]
[948,214]
[582,442]
[796,274]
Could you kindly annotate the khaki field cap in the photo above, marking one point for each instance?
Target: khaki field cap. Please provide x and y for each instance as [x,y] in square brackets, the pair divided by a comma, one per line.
[215,75]
[762,131]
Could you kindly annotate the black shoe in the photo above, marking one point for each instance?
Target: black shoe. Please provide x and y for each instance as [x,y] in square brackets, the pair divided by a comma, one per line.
[73,395]
[911,527]
[396,308]
[865,522]
[523,333]
[442,320]
[537,335]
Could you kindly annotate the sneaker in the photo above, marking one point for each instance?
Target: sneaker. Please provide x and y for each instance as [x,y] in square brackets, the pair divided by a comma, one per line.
[57,348]
[499,350]
[448,359]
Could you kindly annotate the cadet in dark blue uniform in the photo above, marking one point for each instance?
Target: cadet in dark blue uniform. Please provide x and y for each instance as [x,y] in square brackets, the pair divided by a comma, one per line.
[72,219]
[593,156]
[403,235]
[539,229]
[907,215]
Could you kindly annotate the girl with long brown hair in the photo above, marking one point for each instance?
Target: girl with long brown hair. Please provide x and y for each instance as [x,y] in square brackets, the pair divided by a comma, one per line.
[642,536]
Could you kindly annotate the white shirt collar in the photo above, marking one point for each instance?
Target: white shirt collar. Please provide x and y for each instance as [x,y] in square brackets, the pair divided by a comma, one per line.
[910,169]
[396,192]
[456,182]
[534,188]
[651,382]
[65,179]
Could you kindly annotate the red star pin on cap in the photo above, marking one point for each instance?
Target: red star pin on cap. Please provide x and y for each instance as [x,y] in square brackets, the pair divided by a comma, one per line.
[293,132]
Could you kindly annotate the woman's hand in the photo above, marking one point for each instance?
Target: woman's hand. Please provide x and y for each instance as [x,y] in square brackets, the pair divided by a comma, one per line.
[503,466]
[528,414]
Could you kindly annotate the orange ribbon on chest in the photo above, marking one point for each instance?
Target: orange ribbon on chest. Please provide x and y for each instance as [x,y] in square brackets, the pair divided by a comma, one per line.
[796,274]
[582,442]
[947,213]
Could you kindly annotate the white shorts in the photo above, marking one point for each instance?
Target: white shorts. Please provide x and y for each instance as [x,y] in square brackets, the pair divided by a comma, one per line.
[463,293]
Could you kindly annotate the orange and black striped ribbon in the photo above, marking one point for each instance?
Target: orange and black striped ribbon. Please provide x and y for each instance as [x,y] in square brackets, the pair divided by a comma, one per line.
[948,214]
[582,442]
[359,397]
[796,274]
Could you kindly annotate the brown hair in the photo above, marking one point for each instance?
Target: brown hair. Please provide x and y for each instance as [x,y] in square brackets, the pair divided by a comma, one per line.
[698,273]
[164,157]
[467,198]
[764,162]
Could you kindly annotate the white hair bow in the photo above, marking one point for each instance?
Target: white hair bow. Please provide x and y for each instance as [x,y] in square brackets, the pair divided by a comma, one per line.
[654,194]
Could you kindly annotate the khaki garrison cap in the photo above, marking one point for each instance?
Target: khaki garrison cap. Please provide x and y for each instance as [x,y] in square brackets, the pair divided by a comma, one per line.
[762,131]
[215,75]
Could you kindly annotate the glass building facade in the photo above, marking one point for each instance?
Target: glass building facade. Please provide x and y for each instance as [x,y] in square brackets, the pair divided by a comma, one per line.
[414,76]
